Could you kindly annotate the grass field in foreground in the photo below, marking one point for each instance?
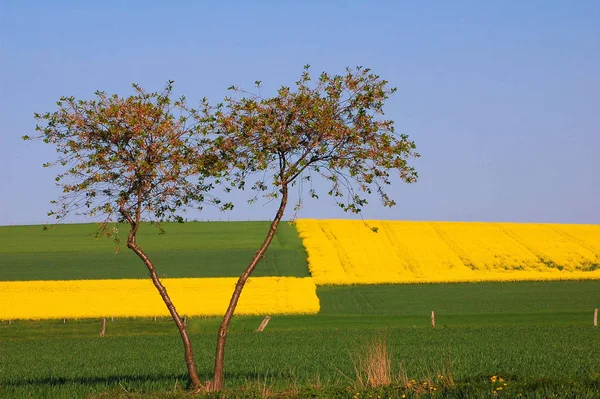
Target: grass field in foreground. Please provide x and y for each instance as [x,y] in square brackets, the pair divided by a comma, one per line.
[523,356]
[193,249]
[536,335]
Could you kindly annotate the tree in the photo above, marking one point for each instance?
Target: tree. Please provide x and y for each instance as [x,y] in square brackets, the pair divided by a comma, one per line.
[332,128]
[127,159]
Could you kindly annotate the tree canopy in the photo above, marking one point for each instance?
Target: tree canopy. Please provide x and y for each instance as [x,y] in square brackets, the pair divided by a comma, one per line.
[125,157]
[332,128]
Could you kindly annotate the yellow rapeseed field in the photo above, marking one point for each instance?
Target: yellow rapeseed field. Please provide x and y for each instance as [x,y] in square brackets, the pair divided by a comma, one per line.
[349,252]
[191,296]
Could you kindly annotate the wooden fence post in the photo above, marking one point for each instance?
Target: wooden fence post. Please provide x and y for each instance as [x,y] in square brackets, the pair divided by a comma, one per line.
[103,329]
[596,317]
[263,324]
[432,318]
[185,320]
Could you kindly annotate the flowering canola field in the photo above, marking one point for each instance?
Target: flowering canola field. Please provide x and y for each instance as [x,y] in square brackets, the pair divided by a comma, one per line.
[350,252]
[138,297]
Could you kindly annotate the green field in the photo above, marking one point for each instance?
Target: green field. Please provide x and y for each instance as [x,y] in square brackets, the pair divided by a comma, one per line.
[529,333]
[537,336]
[195,249]
[521,355]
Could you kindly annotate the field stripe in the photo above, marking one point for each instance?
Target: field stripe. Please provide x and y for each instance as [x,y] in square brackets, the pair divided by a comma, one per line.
[350,252]
[139,298]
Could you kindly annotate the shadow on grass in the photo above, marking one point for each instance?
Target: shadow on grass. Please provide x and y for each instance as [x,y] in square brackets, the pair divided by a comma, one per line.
[126,380]
[108,380]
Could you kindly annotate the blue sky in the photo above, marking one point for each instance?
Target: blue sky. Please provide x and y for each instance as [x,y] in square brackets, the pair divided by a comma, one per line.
[501,98]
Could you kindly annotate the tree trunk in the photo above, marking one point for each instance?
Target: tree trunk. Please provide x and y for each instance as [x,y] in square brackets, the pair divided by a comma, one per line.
[217,383]
[189,354]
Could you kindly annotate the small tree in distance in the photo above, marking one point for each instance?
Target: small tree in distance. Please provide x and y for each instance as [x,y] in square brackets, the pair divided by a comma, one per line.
[332,128]
[126,159]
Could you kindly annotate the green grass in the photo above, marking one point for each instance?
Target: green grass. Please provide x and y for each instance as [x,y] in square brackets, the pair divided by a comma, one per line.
[536,335]
[194,249]
[550,302]
[78,366]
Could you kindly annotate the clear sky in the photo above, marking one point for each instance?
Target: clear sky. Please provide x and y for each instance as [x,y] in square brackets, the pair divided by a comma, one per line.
[501,97]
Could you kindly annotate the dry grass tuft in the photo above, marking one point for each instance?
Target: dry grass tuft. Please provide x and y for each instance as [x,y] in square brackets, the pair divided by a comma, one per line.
[263,386]
[373,369]
[373,365]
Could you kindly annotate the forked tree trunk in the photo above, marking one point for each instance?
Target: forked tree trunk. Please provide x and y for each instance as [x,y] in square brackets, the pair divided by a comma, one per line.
[217,383]
[187,345]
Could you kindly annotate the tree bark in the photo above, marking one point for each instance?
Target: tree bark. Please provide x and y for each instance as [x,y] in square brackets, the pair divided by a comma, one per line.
[217,383]
[189,354]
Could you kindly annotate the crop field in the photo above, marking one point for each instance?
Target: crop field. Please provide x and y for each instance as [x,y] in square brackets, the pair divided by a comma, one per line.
[195,249]
[492,339]
[373,252]
[138,298]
